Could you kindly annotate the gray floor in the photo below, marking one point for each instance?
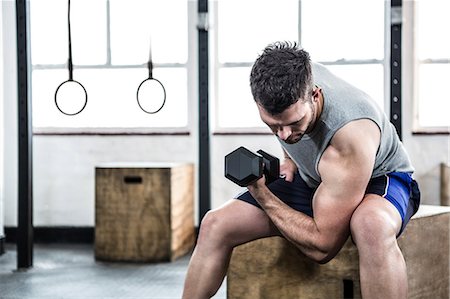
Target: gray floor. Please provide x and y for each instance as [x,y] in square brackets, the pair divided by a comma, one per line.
[70,271]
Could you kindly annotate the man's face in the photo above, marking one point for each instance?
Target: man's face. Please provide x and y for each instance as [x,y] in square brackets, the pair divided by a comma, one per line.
[291,124]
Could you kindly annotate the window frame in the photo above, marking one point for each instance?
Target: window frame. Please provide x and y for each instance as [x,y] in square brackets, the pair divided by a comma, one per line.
[189,66]
[417,129]
[216,65]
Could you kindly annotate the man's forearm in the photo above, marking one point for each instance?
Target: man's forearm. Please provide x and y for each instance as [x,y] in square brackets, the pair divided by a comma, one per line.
[295,226]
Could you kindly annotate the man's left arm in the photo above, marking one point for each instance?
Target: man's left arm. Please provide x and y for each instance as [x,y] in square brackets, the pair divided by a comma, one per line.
[345,169]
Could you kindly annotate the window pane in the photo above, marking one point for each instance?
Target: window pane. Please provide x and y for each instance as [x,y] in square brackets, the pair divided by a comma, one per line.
[434,105]
[111,99]
[433,28]
[48,29]
[234,91]
[88,25]
[345,29]
[133,22]
[246,27]
[236,107]
[367,77]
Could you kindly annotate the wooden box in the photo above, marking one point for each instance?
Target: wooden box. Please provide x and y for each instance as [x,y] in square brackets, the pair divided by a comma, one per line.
[144,212]
[274,268]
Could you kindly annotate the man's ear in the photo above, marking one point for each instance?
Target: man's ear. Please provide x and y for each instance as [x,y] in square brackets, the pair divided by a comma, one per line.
[316,93]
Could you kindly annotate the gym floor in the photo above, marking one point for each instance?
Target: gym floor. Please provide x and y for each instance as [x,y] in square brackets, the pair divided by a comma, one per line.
[69,271]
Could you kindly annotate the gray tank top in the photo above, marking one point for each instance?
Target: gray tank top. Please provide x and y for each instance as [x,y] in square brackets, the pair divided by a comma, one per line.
[344,103]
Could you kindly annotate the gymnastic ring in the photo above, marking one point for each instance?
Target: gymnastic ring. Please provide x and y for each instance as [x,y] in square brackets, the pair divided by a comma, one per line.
[85,97]
[164,97]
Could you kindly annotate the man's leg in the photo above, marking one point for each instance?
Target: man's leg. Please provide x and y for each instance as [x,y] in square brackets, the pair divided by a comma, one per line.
[235,223]
[374,226]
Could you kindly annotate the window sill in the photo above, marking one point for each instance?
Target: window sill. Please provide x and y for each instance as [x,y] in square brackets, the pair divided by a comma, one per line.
[242,131]
[110,131]
[432,131]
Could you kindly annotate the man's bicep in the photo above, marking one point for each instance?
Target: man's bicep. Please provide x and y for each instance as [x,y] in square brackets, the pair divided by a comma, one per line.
[345,169]
[347,164]
[344,181]
[332,214]
[334,204]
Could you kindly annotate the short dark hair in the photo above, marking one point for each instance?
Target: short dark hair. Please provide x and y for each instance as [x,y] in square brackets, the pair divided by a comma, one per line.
[281,76]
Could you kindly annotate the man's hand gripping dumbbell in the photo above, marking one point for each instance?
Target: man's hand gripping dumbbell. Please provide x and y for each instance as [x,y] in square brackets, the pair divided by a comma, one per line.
[244,167]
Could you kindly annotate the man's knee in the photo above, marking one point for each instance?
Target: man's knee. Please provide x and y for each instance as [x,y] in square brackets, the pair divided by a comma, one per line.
[213,227]
[372,229]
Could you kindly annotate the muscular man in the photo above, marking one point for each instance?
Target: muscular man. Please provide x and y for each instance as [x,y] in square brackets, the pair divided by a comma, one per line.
[345,173]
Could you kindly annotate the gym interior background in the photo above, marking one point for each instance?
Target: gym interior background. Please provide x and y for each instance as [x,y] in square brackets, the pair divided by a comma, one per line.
[110,47]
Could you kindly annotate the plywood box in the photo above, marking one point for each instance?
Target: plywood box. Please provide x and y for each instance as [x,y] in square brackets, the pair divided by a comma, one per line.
[144,212]
[274,268]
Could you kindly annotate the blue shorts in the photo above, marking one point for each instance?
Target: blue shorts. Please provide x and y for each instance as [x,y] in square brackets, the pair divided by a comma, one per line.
[398,188]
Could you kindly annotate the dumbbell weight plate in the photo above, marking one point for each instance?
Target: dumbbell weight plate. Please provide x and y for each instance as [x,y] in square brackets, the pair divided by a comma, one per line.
[243,167]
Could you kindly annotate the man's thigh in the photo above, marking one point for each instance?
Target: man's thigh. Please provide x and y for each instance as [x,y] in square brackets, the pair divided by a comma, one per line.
[398,190]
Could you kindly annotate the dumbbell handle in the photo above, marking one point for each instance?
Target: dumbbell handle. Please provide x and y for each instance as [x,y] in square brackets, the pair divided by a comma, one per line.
[271,166]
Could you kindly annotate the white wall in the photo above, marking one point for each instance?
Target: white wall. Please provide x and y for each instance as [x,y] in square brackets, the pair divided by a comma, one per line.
[9,113]
[64,165]
[64,187]
[64,170]
[63,174]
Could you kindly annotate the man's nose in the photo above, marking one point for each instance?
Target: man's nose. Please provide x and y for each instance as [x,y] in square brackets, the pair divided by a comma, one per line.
[284,133]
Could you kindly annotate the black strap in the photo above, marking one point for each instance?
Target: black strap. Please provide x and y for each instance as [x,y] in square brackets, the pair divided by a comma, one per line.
[150,62]
[70,64]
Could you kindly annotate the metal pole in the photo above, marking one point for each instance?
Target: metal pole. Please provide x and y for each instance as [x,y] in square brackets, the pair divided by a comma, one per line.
[396,66]
[25,180]
[204,148]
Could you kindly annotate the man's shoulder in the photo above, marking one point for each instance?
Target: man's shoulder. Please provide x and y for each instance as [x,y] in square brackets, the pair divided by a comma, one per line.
[352,149]
[355,135]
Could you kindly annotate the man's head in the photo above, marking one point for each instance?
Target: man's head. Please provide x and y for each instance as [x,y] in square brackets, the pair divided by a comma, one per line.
[282,86]
[281,76]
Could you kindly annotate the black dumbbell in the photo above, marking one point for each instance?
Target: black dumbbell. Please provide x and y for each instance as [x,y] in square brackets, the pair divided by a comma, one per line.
[244,167]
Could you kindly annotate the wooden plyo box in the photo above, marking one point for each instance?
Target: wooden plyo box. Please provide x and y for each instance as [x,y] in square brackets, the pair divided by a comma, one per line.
[144,212]
[273,267]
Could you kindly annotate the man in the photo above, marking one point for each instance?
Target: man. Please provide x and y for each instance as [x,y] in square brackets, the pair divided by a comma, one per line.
[345,173]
